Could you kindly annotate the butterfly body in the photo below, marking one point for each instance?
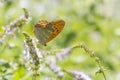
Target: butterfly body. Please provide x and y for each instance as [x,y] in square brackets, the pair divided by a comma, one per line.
[45,31]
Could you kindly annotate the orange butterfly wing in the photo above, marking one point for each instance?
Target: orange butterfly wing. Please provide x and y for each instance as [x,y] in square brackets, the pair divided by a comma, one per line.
[57,28]
[46,31]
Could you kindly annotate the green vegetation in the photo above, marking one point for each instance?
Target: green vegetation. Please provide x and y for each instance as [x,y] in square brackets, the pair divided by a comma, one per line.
[87,47]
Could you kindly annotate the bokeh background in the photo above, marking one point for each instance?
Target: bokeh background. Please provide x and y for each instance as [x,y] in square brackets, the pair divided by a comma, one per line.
[93,22]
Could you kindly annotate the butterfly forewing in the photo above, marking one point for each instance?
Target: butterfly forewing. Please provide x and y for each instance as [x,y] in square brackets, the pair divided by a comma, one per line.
[57,28]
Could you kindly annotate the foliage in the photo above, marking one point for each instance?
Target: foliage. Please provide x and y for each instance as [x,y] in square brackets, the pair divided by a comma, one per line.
[93,23]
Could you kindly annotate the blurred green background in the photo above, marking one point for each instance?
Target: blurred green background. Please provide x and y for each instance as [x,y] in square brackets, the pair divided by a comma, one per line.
[93,22]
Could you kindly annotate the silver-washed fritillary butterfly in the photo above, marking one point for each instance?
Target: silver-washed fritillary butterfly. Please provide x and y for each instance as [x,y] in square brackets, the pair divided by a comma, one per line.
[45,31]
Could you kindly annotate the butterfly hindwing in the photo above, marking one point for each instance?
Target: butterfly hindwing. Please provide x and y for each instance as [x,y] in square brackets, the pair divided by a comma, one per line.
[43,33]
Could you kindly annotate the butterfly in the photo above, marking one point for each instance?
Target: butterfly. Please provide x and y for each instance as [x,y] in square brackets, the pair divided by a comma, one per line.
[46,31]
